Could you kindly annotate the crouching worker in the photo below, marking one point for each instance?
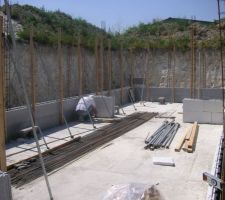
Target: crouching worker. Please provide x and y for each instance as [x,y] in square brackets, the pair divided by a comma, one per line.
[85,105]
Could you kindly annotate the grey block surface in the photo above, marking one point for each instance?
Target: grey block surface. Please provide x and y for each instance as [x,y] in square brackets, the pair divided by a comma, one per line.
[193,105]
[213,106]
[217,118]
[5,186]
[200,117]
[105,106]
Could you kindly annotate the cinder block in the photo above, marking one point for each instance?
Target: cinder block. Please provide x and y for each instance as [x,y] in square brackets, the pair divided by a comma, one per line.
[104,106]
[193,105]
[5,186]
[217,118]
[213,106]
[200,117]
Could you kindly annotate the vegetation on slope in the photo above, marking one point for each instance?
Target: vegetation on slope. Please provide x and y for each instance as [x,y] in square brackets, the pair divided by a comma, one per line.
[158,34]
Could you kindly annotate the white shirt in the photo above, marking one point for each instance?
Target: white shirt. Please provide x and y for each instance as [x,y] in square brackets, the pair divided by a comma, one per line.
[84,103]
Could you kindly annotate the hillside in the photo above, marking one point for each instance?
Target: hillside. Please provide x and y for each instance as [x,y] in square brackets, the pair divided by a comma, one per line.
[46,25]
[158,34]
[175,30]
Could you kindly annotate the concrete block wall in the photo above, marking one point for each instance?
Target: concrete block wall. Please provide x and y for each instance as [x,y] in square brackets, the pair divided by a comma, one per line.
[203,111]
[5,185]
[105,106]
[47,114]
[180,93]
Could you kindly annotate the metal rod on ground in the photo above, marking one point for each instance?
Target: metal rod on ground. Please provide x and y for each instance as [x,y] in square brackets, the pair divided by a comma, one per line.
[20,78]
[2,104]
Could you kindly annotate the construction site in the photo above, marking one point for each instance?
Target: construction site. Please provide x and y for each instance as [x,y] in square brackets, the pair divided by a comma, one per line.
[88,114]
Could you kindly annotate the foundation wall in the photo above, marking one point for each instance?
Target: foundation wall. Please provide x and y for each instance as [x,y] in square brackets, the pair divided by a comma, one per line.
[47,113]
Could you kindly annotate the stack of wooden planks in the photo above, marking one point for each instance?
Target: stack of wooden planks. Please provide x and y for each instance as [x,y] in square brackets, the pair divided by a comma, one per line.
[189,139]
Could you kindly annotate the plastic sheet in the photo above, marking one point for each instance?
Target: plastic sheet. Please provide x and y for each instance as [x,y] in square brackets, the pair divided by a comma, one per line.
[133,191]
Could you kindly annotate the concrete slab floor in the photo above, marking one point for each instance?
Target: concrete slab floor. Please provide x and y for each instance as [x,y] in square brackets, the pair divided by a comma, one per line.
[126,161]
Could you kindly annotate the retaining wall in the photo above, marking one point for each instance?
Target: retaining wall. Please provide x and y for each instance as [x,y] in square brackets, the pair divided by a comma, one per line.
[47,113]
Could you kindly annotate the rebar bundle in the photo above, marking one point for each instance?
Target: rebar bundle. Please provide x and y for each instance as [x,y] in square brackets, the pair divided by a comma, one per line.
[28,170]
[163,137]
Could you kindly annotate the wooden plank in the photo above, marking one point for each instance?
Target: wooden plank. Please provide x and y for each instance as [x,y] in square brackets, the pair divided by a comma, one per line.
[80,70]
[182,140]
[101,75]
[60,76]
[32,74]
[189,134]
[121,73]
[109,68]
[2,104]
[96,65]
[193,135]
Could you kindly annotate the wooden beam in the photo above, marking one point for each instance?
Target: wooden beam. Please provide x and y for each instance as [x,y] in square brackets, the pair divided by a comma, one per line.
[131,68]
[101,77]
[68,71]
[96,65]
[193,135]
[148,76]
[61,76]
[109,68]
[174,74]
[79,63]
[182,140]
[121,73]
[2,103]
[33,74]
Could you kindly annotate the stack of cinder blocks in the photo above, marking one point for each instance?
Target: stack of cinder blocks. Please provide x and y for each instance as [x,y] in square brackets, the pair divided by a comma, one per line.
[105,106]
[5,186]
[203,111]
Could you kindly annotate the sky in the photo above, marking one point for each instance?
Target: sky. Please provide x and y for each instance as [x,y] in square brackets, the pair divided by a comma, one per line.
[121,14]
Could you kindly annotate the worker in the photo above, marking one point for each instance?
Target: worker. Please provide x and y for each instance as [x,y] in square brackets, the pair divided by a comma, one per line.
[86,106]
